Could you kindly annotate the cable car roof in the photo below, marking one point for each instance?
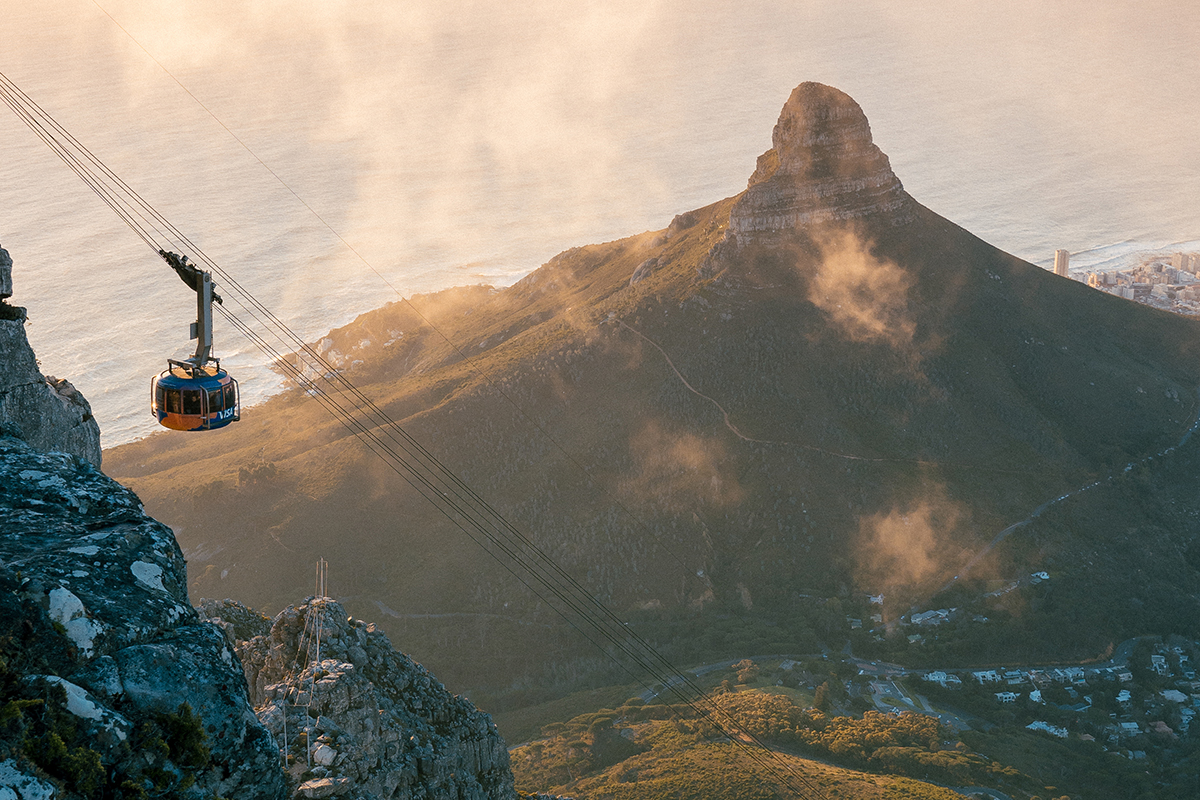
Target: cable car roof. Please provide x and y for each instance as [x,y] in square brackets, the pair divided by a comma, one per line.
[209,376]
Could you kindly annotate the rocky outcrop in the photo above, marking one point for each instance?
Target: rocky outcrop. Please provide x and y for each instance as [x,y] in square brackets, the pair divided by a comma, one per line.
[48,413]
[110,681]
[5,275]
[357,718]
[822,167]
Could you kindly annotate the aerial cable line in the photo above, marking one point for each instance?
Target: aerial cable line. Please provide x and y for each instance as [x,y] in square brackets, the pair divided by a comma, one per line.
[34,122]
[126,202]
[423,487]
[453,497]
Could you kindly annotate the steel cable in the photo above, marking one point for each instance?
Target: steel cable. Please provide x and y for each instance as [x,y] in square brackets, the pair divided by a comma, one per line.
[405,455]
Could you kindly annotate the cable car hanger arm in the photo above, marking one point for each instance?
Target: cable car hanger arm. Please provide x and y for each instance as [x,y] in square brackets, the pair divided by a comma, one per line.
[199,281]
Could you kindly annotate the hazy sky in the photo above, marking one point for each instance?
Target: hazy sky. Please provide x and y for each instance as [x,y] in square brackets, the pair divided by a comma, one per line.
[468,142]
[554,106]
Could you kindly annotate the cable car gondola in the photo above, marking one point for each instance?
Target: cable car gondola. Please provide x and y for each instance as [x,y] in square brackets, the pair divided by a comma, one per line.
[195,394]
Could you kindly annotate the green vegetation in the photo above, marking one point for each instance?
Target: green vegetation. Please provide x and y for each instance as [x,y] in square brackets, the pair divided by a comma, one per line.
[161,757]
[185,738]
[903,744]
[904,789]
[651,752]
[77,767]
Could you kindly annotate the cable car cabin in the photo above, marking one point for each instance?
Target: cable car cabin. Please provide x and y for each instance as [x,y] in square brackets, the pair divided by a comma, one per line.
[187,398]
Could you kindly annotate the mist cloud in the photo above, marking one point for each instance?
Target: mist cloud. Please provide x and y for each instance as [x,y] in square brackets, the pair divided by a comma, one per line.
[907,544]
[865,297]
[680,470]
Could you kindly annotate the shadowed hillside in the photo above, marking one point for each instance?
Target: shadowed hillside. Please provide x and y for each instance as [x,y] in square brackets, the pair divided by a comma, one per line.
[818,388]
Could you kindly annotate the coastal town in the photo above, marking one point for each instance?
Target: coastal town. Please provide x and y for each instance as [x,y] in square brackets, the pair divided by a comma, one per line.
[1168,281]
[1130,714]
[1138,699]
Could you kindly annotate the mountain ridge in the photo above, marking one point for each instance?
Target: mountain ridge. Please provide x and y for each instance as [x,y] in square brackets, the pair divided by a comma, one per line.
[896,392]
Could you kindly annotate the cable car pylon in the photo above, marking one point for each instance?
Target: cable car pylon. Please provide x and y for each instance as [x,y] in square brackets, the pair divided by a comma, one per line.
[195,394]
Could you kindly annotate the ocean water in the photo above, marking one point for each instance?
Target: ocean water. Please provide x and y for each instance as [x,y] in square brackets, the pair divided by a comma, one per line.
[470,143]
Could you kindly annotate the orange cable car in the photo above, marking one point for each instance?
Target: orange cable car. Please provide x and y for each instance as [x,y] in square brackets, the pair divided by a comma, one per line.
[195,394]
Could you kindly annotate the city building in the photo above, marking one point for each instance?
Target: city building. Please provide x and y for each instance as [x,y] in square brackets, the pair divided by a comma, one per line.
[1053,730]
[934,617]
[1013,677]
[946,681]
[1062,261]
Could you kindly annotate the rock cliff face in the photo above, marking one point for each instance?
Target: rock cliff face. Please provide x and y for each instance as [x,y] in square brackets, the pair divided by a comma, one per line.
[100,650]
[823,167]
[46,412]
[358,719]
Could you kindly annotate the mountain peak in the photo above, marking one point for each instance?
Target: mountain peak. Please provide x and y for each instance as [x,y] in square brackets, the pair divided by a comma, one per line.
[822,167]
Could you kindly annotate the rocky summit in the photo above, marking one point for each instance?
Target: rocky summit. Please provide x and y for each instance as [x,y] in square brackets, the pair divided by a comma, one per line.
[357,718]
[47,412]
[822,167]
[109,682]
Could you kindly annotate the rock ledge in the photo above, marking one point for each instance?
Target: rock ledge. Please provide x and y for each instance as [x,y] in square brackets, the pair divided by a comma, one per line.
[357,718]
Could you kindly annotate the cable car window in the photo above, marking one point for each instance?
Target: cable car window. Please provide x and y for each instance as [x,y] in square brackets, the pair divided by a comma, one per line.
[230,398]
[172,404]
[159,399]
[214,401]
[192,401]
